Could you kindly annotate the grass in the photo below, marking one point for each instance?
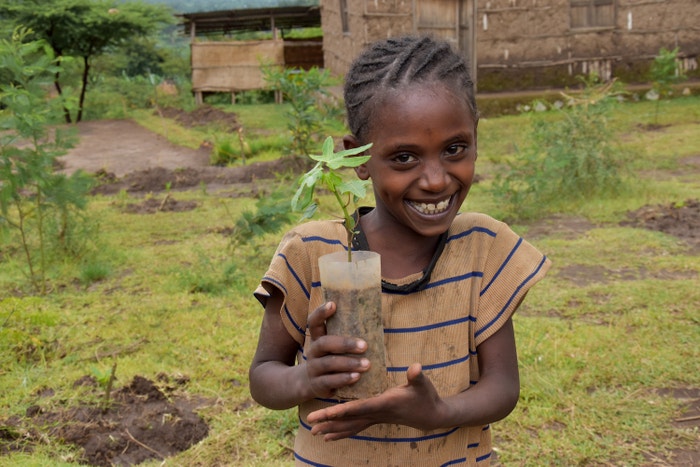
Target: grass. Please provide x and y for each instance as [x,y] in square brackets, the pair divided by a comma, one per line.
[264,130]
[593,353]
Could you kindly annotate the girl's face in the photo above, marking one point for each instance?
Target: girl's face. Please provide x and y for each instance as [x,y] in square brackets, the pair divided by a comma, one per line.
[423,156]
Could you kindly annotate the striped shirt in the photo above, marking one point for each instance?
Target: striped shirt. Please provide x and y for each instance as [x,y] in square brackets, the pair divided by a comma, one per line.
[481,272]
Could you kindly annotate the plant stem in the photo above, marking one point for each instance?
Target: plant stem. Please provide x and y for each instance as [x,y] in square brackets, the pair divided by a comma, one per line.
[349,223]
[108,387]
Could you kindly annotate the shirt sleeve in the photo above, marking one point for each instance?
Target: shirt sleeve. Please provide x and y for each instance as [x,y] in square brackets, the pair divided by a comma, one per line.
[291,272]
[511,267]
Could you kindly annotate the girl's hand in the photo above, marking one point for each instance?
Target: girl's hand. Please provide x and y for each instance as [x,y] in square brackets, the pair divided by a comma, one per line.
[414,404]
[328,365]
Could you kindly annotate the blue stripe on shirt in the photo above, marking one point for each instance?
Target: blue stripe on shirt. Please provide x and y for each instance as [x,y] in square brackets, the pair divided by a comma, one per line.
[375,439]
[429,327]
[502,267]
[309,462]
[394,369]
[328,241]
[441,282]
[512,297]
[459,278]
[296,276]
[457,236]
[301,330]
[281,286]
[461,460]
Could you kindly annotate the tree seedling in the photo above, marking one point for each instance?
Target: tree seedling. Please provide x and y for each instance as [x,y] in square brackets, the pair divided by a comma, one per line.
[327,173]
[106,380]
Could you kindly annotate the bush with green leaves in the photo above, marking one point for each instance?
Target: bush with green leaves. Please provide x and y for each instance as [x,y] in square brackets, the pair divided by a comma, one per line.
[571,156]
[40,209]
[304,91]
[272,213]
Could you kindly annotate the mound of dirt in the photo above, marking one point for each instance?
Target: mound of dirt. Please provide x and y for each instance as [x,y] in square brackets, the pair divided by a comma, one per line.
[141,423]
[159,179]
[681,220]
[201,116]
[153,205]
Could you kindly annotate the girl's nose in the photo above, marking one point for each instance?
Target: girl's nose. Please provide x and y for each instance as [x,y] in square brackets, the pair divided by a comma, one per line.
[434,177]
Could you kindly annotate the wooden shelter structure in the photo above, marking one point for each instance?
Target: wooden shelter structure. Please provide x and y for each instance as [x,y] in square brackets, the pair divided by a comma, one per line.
[220,65]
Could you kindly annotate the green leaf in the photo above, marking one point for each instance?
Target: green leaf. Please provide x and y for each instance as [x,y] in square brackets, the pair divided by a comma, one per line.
[341,159]
[305,191]
[309,211]
[332,181]
[353,151]
[355,161]
[358,188]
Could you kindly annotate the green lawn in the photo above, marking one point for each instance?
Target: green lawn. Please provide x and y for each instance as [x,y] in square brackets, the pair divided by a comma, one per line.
[601,340]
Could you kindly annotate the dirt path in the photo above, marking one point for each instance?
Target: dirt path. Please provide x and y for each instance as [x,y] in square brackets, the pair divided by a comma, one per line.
[120,147]
[128,157]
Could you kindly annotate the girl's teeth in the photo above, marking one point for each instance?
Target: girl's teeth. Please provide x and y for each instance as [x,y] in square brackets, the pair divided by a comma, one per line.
[429,208]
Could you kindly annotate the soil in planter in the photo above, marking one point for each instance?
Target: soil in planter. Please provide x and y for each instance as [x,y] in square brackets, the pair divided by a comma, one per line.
[359,314]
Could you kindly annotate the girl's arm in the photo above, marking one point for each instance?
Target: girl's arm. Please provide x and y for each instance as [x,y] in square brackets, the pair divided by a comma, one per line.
[277,383]
[418,405]
[496,394]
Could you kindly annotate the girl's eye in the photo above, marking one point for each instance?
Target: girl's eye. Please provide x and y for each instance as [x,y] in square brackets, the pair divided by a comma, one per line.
[455,149]
[404,158]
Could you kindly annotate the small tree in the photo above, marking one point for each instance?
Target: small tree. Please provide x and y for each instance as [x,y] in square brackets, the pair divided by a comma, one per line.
[35,202]
[302,90]
[664,73]
[85,29]
[327,173]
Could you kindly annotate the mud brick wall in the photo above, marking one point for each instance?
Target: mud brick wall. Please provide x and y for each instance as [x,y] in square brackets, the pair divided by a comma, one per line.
[367,22]
[530,44]
[526,45]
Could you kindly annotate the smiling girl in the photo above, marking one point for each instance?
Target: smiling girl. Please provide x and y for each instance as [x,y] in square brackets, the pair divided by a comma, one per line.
[451,282]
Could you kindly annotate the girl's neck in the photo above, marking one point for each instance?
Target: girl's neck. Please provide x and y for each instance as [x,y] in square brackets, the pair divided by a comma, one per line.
[403,252]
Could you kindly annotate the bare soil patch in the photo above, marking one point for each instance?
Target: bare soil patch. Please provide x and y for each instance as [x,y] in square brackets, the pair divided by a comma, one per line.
[202,116]
[120,147]
[568,227]
[688,419]
[159,179]
[143,421]
[681,219]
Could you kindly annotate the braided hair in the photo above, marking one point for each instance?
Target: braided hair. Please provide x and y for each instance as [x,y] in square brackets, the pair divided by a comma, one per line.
[397,62]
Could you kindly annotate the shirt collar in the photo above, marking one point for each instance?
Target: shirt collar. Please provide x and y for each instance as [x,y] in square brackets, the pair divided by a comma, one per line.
[359,243]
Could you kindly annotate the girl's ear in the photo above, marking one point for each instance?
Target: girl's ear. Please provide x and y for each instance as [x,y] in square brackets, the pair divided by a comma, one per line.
[350,142]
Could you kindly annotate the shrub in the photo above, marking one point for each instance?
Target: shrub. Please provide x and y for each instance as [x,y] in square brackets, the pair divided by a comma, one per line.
[569,157]
[41,207]
[664,72]
[303,90]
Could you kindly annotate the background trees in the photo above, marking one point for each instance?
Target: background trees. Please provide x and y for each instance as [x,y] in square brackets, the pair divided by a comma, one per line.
[85,29]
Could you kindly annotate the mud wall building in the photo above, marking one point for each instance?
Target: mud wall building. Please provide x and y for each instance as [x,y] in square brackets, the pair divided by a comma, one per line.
[525,44]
